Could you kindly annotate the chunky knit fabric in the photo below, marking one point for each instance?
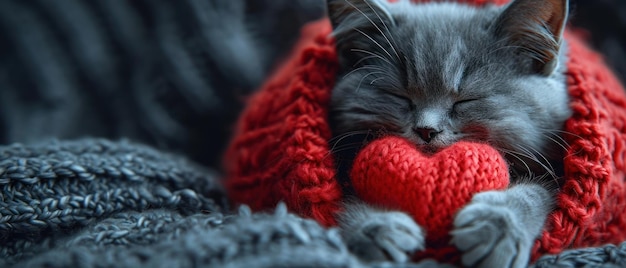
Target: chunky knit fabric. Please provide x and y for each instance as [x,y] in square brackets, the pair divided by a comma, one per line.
[98,203]
[281,149]
[50,190]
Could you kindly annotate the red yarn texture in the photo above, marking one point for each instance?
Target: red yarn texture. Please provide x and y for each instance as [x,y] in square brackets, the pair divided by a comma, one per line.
[280,151]
[391,172]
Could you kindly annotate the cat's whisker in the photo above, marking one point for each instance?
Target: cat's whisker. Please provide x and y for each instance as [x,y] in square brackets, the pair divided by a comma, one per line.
[373,55]
[376,79]
[381,32]
[562,143]
[565,132]
[528,170]
[547,166]
[374,41]
[339,138]
[345,147]
[336,151]
[365,76]
[364,59]
[363,67]
[514,154]
[561,140]
[339,146]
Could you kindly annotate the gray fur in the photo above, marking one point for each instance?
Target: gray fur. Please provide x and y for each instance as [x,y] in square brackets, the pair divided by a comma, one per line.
[388,234]
[440,73]
[498,229]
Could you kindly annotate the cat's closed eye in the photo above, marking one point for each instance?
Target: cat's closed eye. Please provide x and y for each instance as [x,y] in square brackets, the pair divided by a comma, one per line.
[462,104]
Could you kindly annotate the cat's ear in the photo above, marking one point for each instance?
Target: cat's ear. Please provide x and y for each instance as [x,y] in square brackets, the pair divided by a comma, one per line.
[346,14]
[357,24]
[536,27]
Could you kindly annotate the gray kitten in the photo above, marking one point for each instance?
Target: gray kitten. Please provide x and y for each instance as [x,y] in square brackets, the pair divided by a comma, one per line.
[439,73]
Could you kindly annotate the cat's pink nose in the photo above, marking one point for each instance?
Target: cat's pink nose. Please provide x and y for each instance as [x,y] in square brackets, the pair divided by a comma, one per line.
[427,134]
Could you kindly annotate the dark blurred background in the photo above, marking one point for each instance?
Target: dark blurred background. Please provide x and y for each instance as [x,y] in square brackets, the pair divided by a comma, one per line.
[172,74]
[604,22]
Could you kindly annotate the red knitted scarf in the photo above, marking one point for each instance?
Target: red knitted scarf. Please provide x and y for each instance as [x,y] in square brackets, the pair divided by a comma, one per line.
[280,152]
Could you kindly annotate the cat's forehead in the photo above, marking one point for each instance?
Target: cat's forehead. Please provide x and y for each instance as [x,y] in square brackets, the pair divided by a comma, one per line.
[443,16]
[441,41]
[444,27]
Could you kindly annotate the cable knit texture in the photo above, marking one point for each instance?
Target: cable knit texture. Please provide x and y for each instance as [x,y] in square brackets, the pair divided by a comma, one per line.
[281,150]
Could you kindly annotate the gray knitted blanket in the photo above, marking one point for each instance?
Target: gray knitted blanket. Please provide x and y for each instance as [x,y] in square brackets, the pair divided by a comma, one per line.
[98,203]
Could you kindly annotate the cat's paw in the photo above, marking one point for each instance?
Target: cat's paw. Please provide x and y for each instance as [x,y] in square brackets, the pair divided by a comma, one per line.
[490,233]
[384,236]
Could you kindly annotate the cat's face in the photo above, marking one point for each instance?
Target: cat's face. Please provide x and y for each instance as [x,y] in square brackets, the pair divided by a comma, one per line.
[440,73]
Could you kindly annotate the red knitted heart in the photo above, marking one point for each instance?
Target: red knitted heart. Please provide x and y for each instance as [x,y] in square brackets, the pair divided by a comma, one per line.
[392,173]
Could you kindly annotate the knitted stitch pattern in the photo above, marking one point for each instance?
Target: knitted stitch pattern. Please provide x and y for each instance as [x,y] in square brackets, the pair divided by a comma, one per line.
[98,203]
[281,151]
[51,188]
